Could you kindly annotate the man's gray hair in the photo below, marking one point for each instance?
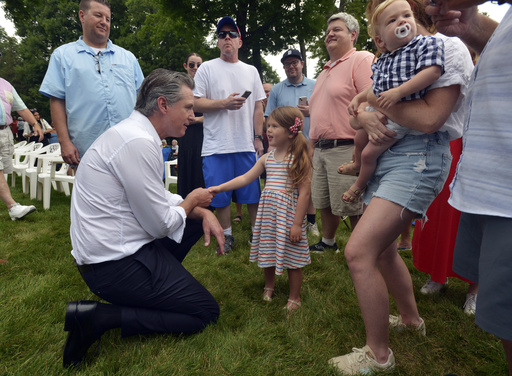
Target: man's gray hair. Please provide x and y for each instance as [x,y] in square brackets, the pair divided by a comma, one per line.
[161,83]
[349,20]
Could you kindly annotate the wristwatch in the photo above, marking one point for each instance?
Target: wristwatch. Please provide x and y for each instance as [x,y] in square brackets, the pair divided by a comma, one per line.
[259,136]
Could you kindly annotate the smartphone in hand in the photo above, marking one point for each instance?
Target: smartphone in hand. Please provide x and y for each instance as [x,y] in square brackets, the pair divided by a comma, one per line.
[246,94]
[303,101]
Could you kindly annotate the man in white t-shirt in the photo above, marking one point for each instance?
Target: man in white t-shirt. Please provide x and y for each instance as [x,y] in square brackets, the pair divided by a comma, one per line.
[233,123]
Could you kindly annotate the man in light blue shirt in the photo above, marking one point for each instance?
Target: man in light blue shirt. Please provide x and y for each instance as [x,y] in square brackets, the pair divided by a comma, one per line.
[287,93]
[296,85]
[92,83]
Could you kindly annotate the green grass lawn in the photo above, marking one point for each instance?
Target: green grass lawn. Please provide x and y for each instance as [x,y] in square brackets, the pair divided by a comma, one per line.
[251,337]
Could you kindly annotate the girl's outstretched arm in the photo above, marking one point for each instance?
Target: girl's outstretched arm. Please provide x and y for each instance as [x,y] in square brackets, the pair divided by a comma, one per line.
[300,210]
[242,180]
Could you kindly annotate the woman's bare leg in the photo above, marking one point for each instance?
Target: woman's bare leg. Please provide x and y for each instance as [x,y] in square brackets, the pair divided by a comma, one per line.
[369,250]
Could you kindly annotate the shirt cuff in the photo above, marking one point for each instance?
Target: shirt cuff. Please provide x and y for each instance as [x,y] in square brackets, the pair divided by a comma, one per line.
[177,233]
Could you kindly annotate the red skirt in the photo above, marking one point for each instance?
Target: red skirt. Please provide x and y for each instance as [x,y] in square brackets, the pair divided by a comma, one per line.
[433,245]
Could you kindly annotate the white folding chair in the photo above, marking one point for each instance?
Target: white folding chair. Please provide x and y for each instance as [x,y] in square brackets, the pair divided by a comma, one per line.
[20,144]
[169,179]
[45,179]
[29,176]
[20,159]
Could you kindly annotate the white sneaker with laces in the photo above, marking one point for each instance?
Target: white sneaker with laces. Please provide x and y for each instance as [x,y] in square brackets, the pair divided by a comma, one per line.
[362,361]
[431,287]
[18,211]
[470,304]
[312,229]
[397,323]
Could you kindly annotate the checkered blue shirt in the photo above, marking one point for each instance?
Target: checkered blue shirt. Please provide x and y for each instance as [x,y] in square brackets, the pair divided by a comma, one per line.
[392,69]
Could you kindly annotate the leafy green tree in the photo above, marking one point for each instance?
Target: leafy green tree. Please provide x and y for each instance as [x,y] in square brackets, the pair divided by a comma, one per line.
[47,26]
[266,26]
[140,26]
[311,16]
[42,27]
[158,39]
[161,33]
[10,58]
[20,10]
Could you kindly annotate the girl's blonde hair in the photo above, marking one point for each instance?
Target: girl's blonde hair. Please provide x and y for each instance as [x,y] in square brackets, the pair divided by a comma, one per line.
[299,168]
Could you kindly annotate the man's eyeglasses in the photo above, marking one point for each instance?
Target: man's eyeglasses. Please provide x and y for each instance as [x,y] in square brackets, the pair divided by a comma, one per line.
[224,34]
[193,65]
[294,63]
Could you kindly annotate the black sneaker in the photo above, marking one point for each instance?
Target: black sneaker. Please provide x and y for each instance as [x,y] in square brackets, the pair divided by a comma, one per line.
[320,247]
[229,244]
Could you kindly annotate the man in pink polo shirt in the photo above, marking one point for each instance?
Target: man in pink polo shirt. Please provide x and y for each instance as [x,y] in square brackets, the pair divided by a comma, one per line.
[347,73]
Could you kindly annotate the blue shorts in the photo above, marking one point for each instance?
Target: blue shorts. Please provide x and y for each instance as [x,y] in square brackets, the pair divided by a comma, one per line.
[483,254]
[220,168]
[412,172]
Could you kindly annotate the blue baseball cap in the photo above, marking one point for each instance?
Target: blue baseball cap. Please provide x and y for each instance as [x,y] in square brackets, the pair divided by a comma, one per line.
[227,21]
[291,53]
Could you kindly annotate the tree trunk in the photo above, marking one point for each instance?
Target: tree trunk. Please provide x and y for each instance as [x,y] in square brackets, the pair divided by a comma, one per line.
[302,45]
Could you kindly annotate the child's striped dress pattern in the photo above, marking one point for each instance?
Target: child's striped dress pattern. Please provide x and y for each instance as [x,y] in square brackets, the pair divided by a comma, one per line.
[271,245]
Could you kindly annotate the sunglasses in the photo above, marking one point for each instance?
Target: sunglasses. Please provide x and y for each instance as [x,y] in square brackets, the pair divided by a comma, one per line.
[224,34]
[192,65]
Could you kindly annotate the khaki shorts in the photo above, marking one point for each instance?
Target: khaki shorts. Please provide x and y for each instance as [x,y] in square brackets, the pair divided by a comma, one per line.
[6,150]
[328,186]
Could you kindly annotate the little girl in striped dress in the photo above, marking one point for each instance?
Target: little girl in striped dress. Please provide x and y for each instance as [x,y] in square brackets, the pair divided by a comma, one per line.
[279,236]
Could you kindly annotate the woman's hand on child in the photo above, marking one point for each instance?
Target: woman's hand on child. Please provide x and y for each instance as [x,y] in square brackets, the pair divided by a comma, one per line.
[295,233]
[373,123]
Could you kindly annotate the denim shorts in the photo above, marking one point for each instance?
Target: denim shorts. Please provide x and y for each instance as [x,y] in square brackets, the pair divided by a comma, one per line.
[412,172]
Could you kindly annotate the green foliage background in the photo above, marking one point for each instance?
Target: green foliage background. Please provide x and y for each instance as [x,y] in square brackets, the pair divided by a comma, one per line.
[161,33]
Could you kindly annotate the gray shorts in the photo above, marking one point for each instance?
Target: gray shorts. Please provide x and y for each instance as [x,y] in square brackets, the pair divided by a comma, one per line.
[328,186]
[483,254]
[6,150]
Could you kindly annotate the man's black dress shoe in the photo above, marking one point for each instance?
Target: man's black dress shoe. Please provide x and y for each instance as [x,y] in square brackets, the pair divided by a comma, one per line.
[79,323]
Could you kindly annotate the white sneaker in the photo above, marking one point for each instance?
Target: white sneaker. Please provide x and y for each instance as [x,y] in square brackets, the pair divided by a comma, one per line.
[397,323]
[362,361]
[312,229]
[432,287]
[18,211]
[470,305]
